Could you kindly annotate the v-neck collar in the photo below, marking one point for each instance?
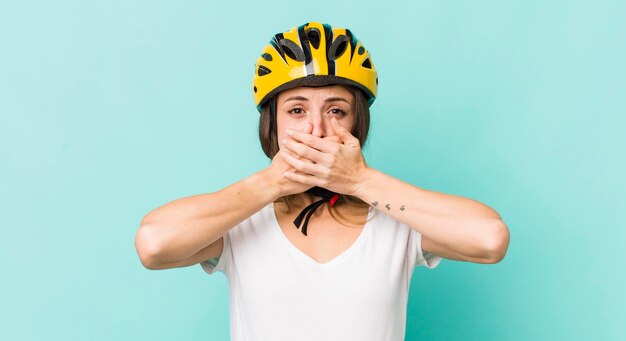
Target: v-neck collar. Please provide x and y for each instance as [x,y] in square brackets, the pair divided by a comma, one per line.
[308,258]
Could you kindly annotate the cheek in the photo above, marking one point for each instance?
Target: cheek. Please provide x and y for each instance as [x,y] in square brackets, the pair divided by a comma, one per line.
[285,123]
[346,123]
[281,133]
[281,130]
[280,137]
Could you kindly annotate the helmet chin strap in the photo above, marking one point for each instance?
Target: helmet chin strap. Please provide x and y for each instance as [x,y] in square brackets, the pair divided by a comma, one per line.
[327,196]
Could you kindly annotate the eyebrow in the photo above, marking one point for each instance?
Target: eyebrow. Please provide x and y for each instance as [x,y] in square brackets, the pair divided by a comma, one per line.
[330,99]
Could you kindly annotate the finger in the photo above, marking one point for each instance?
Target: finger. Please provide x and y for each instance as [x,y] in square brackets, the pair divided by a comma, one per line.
[300,165]
[323,145]
[342,132]
[284,147]
[301,178]
[303,150]
[333,138]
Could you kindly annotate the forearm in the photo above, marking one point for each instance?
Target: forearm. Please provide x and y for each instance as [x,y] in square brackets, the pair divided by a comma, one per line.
[464,225]
[184,226]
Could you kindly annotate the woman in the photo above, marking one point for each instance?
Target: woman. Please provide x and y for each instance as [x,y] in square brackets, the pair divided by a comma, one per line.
[319,245]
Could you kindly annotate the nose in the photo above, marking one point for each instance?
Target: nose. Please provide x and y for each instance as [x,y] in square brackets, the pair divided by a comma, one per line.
[320,126]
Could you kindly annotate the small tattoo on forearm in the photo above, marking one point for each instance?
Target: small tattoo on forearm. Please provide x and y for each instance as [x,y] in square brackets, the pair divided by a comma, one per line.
[402,208]
[388,207]
[375,203]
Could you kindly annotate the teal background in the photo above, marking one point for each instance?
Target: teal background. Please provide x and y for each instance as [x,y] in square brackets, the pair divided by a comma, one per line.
[109,109]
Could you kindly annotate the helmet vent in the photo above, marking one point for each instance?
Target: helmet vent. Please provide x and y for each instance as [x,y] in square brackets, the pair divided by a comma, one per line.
[262,71]
[314,37]
[338,47]
[361,50]
[267,57]
[367,64]
[292,50]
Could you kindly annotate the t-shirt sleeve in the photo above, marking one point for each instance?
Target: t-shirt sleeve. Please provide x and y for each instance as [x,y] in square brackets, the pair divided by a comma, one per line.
[422,258]
[221,263]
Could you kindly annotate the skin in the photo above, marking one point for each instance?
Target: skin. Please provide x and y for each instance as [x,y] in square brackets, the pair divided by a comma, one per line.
[311,110]
[317,112]
[322,152]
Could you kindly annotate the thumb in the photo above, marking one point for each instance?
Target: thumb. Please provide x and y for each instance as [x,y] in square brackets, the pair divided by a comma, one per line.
[340,131]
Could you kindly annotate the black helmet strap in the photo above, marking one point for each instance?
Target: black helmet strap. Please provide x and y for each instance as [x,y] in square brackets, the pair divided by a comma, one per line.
[327,196]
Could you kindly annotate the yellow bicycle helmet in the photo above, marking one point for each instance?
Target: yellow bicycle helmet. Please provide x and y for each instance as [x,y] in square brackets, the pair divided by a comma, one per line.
[313,54]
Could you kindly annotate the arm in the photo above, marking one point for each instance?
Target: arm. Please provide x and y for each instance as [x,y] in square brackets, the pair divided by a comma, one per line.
[184,227]
[453,227]
[214,250]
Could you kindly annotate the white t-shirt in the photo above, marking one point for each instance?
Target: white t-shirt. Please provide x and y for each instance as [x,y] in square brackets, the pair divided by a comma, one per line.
[278,293]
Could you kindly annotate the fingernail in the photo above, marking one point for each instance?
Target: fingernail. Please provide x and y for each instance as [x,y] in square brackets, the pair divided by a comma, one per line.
[284,141]
[289,132]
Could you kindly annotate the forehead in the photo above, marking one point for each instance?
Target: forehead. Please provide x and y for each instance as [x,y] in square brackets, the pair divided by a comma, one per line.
[319,91]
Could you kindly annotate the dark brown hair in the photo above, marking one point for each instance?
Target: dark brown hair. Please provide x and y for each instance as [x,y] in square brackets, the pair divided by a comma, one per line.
[360,128]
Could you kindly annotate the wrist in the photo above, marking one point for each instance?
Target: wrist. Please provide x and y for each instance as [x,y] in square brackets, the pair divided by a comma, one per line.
[365,180]
[267,180]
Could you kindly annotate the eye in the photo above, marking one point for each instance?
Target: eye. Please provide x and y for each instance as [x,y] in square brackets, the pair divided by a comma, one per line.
[296,111]
[338,111]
